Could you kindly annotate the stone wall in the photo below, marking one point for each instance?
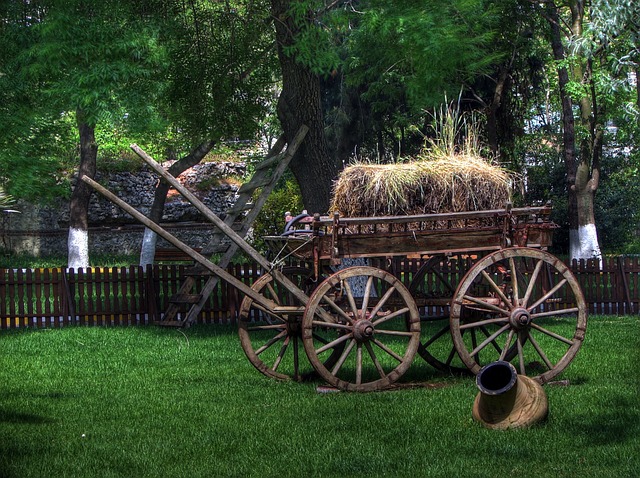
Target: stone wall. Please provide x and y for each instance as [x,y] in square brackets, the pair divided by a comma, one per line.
[42,229]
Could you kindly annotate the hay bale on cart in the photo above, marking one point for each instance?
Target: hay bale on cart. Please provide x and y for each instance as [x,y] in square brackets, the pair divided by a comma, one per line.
[423,186]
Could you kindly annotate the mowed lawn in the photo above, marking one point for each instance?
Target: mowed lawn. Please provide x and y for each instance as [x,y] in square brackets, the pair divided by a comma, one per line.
[155,402]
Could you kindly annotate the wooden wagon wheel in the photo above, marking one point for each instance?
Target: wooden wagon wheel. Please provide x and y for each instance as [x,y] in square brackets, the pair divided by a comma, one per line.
[272,339]
[433,286]
[373,314]
[534,314]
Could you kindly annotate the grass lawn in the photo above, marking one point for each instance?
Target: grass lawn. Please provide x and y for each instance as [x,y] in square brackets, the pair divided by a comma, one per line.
[152,402]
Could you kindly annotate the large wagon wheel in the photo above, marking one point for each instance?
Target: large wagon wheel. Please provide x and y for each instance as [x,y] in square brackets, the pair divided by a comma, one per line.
[433,286]
[373,314]
[534,314]
[271,339]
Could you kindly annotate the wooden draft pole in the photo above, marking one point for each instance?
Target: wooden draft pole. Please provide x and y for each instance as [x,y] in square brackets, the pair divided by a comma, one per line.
[227,230]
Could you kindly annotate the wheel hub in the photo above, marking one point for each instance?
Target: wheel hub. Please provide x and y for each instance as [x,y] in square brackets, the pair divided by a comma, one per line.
[363,330]
[520,318]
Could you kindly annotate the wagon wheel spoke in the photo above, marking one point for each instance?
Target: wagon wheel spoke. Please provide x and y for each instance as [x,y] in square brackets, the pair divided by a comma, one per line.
[332,325]
[541,353]
[437,335]
[503,354]
[261,329]
[485,305]
[514,283]
[491,339]
[359,364]
[387,350]
[521,355]
[393,315]
[333,343]
[552,334]
[382,302]
[555,313]
[337,309]
[268,312]
[492,342]
[548,295]
[496,289]
[358,367]
[272,293]
[433,286]
[343,357]
[396,333]
[549,305]
[480,323]
[283,349]
[367,295]
[255,328]
[350,298]
[532,282]
[273,340]
[374,359]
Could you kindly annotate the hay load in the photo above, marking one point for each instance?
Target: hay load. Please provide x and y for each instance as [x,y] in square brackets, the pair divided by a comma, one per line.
[447,184]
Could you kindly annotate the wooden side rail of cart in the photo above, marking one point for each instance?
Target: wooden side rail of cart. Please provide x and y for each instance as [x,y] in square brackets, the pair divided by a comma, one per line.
[334,238]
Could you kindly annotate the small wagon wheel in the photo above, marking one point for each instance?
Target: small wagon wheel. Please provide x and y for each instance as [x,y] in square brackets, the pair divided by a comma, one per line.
[271,339]
[433,286]
[522,305]
[373,315]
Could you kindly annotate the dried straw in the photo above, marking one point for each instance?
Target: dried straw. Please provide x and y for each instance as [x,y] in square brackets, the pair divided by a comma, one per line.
[450,184]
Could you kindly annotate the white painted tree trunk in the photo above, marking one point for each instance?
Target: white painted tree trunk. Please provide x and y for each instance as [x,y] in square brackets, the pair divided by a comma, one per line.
[583,243]
[78,248]
[148,250]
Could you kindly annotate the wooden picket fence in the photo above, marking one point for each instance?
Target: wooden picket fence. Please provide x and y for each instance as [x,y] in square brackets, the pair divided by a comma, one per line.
[134,295]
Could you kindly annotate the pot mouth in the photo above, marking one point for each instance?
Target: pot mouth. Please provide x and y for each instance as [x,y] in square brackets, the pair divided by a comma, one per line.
[496,378]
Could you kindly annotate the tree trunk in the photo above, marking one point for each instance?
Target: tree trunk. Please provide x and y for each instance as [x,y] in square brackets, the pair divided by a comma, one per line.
[583,171]
[299,103]
[78,242]
[150,238]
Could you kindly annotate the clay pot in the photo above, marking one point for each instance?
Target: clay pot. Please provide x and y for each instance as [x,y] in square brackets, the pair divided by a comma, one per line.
[507,400]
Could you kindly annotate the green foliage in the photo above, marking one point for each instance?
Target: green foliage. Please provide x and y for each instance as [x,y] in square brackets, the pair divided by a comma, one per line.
[317,37]
[95,57]
[270,222]
[617,203]
[6,201]
[222,67]
[421,50]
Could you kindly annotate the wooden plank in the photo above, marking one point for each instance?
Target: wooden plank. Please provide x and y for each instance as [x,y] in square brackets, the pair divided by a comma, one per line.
[436,217]
[389,244]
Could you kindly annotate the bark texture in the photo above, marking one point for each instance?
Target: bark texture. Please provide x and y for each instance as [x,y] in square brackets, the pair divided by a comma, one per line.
[78,244]
[300,103]
[583,169]
[148,249]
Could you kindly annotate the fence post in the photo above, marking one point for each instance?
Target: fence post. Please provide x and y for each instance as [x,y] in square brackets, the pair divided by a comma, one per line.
[625,284]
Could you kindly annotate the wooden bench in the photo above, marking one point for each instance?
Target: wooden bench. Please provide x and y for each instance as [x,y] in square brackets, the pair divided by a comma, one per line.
[171,254]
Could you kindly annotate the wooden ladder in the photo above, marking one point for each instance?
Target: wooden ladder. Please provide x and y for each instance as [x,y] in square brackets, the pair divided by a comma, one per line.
[266,175]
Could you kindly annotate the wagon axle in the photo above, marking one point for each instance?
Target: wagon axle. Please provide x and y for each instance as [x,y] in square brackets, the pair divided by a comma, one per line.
[520,318]
[363,330]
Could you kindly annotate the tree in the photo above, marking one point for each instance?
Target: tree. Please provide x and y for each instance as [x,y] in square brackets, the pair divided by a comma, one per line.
[581,55]
[89,58]
[300,103]
[221,70]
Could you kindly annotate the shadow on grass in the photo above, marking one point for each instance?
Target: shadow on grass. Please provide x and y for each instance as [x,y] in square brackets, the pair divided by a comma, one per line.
[619,422]
[11,416]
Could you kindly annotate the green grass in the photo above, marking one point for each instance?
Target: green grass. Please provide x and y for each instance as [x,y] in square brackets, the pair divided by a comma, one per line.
[152,402]
[22,260]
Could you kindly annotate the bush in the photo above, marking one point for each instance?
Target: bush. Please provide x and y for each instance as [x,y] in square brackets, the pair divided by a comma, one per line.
[270,222]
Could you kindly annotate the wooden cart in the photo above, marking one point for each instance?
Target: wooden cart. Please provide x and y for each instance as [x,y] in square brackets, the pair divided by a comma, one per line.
[506,296]
[360,326]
